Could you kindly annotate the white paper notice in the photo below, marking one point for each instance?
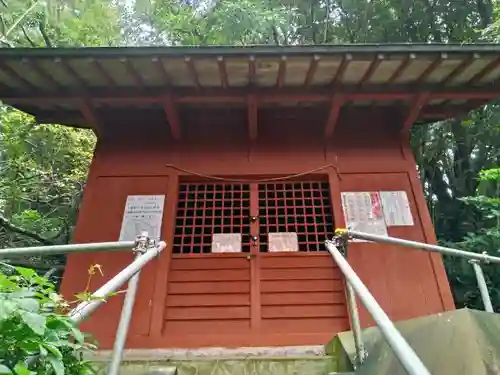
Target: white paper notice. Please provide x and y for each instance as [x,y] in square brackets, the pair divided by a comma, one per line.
[226,243]
[396,208]
[363,212]
[283,241]
[142,213]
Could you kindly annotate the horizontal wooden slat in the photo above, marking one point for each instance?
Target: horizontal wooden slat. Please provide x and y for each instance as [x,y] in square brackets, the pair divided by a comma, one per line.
[301,286]
[210,287]
[304,311]
[209,263]
[207,313]
[210,275]
[302,260]
[305,325]
[206,326]
[300,274]
[302,298]
[191,300]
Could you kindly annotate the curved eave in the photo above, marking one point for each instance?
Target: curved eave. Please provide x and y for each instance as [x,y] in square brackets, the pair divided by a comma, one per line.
[71,86]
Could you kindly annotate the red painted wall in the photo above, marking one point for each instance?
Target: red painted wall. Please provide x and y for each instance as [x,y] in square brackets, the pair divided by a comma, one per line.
[365,153]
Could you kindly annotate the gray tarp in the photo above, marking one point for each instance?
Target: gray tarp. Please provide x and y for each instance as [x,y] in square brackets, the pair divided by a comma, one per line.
[460,342]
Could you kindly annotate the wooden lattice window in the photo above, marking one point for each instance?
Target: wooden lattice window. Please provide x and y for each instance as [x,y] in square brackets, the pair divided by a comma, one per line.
[208,208]
[300,207]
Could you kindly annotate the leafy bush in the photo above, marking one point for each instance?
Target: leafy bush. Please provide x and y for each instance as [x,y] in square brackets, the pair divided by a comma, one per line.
[36,335]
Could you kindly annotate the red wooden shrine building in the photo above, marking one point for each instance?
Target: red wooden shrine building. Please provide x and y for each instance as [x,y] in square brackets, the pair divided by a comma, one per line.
[247,151]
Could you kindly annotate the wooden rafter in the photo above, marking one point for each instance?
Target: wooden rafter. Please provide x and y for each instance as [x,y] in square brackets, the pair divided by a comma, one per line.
[339,74]
[460,69]
[12,73]
[224,81]
[91,117]
[280,80]
[42,73]
[432,66]
[402,68]
[252,71]
[161,70]
[192,71]
[313,66]
[252,117]
[492,65]
[103,72]
[172,117]
[371,69]
[416,107]
[72,73]
[336,105]
[139,81]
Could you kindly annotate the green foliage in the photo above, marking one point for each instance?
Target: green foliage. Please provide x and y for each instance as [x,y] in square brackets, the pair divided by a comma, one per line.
[35,334]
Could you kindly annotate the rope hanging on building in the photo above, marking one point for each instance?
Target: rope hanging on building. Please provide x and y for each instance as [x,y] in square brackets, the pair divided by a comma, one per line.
[243,180]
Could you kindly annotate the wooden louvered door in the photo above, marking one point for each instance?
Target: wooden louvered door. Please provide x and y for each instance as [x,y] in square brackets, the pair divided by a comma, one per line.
[253,297]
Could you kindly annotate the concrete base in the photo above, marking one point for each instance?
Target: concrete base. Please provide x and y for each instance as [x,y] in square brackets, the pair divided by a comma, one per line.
[310,360]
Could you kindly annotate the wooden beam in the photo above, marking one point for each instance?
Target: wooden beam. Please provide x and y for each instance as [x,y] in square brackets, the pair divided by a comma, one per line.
[252,71]
[416,106]
[252,117]
[336,105]
[161,70]
[222,72]
[281,72]
[313,66]
[103,72]
[14,74]
[265,95]
[492,65]
[42,73]
[432,66]
[402,68]
[136,77]
[91,117]
[460,69]
[371,69]
[81,83]
[172,117]
[192,71]
[339,74]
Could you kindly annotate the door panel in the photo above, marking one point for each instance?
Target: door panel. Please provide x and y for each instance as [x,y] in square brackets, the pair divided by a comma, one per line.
[256,292]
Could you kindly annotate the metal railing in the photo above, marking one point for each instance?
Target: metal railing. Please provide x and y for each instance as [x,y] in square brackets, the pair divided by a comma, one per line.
[403,351]
[145,250]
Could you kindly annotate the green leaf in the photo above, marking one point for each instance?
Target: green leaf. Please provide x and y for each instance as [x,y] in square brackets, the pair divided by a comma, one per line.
[35,321]
[6,309]
[29,304]
[57,365]
[53,349]
[5,370]
[78,335]
[21,369]
[27,273]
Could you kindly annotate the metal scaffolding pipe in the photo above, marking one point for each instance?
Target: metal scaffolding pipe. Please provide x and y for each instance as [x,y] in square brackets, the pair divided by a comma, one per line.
[403,351]
[123,325]
[356,325]
[423,246]
[84,309]
[481,283]
[64,249]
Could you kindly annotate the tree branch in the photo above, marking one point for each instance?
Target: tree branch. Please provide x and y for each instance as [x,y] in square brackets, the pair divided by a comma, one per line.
[41,27]
[27,37]
[4,223]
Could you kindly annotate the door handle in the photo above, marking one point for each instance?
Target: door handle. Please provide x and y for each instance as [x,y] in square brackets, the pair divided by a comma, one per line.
[250,256]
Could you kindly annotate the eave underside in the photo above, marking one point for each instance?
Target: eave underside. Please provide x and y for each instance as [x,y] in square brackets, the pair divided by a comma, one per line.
[81,87]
